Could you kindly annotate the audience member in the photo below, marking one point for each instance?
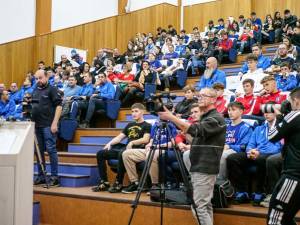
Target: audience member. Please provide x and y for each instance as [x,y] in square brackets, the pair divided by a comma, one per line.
[250,102]
[253,73]
[221,102]
[262,61]
[286,81]
[7,106]
[270,92]
[238,134]
[212,74]
[182,109]
[259,148]
[137,134]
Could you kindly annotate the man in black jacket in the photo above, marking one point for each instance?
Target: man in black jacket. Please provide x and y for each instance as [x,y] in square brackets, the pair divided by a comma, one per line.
[46,111]
[285,202]
[206,151]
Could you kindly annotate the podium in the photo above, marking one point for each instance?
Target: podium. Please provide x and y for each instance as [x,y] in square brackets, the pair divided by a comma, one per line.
[16,173]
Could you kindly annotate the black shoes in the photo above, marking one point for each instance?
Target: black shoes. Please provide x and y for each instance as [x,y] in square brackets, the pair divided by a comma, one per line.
[116,188]
[131,188]
[103,186]
[53,181]
[39,180]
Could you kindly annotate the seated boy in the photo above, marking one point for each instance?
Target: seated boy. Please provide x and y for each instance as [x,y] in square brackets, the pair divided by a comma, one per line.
[133,156]
[270,92]
[285,81]
[258,150]
[138,135]
[238,134]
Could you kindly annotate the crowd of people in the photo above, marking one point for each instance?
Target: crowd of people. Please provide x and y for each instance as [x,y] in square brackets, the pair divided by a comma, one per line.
[155,59]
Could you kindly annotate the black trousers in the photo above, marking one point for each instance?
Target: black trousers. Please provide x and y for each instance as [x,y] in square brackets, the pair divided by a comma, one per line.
[94,104]
[274,167]
[237,166]
[114,153]
[285,201]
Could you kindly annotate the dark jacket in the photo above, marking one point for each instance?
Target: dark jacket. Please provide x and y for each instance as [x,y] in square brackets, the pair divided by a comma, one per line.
[289,130]
[184,106]
[44,103]
[208,142]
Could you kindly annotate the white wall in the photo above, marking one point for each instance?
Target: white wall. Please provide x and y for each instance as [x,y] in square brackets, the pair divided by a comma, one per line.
[17,20]
[68,13]
[193,2]
[134,5]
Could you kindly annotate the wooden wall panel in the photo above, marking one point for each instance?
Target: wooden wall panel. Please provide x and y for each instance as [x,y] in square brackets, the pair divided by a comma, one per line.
[91,36]
[145,20]
[16,59]
[200,14]
[271,6]
[43,16]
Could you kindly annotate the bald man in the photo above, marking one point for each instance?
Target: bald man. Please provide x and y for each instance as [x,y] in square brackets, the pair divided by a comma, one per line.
[211,75]
[46,111]
[206,151]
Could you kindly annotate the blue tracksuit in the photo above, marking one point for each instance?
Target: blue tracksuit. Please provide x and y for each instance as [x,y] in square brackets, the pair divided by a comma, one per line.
[263,62]
[218,76]
[7,109]
[237,136]
[163,139]
[106,90]
[259,140]
[14,96]
[24,90]
[155,64]
[286,83]
[86,90]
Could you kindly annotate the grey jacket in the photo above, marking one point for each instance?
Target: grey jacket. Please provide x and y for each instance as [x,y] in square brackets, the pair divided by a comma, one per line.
[208,142]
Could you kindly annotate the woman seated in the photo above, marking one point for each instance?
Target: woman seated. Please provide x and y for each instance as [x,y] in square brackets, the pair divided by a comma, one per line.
[138,84]
[124,78]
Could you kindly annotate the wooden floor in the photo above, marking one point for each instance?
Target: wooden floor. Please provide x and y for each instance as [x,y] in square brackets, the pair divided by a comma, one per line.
[72,206]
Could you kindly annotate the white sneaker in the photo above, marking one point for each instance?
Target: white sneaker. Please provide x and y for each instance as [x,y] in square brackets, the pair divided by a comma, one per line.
[266,202]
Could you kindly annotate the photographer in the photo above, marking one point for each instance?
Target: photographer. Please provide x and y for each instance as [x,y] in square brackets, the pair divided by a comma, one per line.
[206,151]
[46,111]
[284,202]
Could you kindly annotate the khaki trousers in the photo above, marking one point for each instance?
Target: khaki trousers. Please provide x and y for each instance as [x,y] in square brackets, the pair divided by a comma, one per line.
[133,156]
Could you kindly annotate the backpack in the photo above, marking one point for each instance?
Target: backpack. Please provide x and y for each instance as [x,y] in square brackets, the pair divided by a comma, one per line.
[223,192]
[174,197]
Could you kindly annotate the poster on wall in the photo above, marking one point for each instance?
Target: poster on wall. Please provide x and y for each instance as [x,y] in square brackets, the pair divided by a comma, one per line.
[75,55]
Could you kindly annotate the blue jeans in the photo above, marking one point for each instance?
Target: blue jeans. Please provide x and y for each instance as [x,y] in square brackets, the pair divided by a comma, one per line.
[196,63]
[47,141]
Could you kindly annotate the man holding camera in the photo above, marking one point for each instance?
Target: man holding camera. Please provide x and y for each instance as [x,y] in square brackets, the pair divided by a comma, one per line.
[46,111]
[206,151]
[285,202]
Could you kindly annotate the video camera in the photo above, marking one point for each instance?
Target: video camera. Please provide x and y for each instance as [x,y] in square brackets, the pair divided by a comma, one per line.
[155,104]
[27,107]
[285,107]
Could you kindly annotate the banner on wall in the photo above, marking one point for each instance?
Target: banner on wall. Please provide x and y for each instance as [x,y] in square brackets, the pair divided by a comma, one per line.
[75,55]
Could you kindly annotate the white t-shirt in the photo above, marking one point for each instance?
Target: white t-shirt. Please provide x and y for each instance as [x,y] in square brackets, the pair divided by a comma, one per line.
[257,76]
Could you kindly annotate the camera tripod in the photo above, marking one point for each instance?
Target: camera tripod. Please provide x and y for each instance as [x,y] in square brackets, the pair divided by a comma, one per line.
[38,156]
[156,145]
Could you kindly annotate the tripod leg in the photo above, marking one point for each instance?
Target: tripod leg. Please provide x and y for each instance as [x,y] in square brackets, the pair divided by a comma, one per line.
[39,159]
[142,183]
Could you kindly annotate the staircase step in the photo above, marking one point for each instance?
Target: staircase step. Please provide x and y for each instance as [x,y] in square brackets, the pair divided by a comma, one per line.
[103,140]
[36,213]
[84,148]
[74,180]
[78,158]
[95,132]
[72,170]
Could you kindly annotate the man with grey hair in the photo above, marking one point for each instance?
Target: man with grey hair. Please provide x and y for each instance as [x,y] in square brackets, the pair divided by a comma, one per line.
[206,151]
[212,75]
